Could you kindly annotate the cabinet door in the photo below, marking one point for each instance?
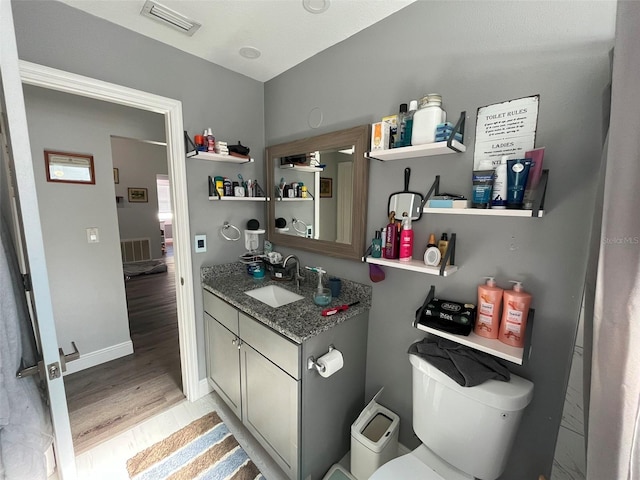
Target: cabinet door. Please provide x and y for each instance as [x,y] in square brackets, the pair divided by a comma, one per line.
[223,363]
[270,408]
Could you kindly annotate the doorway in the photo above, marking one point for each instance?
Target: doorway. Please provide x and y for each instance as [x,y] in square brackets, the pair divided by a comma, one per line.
[113,396]
[54,79]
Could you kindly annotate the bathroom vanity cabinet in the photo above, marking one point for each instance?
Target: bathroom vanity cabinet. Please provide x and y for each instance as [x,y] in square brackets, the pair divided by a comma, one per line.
[299,417]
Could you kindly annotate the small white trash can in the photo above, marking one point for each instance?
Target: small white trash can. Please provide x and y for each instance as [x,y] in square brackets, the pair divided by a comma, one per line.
[374,439]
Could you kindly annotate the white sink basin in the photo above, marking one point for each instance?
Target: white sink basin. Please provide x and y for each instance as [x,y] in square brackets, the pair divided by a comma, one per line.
[274,296]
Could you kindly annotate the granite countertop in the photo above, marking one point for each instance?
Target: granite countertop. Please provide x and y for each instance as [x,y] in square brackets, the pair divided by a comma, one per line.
[298,320]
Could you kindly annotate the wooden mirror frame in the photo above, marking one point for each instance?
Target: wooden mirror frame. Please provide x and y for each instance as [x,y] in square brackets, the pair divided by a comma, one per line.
[359,138]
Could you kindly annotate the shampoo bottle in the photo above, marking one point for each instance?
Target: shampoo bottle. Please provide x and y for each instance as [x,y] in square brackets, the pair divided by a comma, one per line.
[391,242]
[514,316]
[489,302]
[406,240]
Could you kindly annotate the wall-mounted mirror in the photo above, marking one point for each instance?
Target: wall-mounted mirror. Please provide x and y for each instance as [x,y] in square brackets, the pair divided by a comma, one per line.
[318,188]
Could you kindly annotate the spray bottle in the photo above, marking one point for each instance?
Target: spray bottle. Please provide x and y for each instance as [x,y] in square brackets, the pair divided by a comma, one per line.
[406,239]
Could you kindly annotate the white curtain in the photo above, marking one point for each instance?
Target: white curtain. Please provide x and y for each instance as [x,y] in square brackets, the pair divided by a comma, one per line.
[612,319]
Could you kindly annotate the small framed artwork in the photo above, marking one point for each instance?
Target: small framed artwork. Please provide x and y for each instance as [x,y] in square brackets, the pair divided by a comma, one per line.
[326,187]
[64,167]
[116,175]
[138,195]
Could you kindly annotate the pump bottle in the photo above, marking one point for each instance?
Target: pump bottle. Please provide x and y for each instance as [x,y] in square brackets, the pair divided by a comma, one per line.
[489,302]
[514,316]
[406,239]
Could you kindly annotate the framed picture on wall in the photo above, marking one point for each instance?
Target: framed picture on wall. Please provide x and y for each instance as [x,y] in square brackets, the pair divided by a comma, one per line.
[326,187]
[137,195]
[64,167]
[116,175]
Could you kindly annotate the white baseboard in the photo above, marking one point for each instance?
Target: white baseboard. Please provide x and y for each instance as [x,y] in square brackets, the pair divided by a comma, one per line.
[91,359]
[204,388]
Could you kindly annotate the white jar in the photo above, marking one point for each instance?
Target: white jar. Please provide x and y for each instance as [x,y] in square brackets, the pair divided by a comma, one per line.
[427,118]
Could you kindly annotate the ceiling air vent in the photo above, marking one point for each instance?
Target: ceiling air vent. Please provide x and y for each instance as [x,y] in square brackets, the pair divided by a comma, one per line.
[169,17]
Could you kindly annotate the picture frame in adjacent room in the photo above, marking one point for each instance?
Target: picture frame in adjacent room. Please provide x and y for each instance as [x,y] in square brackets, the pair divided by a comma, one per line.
[116,175]
[137,195]
[65,167]
[326,187]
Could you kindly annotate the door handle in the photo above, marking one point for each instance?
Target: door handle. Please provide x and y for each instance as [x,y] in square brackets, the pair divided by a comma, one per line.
[70,357]
[38,368]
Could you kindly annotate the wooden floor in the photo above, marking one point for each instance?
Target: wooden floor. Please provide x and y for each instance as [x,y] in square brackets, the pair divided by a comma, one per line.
[110,398]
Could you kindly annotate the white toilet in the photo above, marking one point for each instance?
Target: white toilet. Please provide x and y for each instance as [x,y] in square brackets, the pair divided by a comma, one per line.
[466,432]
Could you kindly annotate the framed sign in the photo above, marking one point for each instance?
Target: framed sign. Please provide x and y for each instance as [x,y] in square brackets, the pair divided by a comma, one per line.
[64,167]
[326,187]
[507,128]
[138,195]
[116,175]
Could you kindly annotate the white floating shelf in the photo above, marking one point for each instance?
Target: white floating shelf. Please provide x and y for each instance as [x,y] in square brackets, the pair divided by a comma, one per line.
[216,157]
[294,199]
[301,168]
[492,212]
[239,199]
[487,345]
[415,151]
[413,265]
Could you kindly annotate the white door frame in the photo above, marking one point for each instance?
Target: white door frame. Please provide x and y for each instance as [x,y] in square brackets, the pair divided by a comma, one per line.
[53,79]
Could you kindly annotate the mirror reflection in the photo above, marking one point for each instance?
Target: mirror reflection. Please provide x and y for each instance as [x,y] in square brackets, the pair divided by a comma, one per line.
[318,193]
[314,194]
[406,201]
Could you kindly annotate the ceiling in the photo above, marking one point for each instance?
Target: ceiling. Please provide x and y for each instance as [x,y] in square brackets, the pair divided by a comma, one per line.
[283,31]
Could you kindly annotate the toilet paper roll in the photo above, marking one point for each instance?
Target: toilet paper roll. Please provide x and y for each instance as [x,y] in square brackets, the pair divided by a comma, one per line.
[332,362]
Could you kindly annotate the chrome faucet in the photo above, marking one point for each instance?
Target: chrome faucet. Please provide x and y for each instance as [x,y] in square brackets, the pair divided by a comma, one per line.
[296,276]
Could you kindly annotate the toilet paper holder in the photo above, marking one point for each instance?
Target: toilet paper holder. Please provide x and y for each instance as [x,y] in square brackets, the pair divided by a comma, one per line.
[313,364]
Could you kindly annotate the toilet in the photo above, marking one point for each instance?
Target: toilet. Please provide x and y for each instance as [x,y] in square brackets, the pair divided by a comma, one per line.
[466,432]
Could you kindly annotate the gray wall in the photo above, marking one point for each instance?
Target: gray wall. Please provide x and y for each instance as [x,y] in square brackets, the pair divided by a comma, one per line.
[55,35]
[86,280]
[474,54]
[138,163]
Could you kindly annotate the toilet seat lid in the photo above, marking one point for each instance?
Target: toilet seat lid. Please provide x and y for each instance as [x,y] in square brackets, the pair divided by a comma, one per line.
[406,466]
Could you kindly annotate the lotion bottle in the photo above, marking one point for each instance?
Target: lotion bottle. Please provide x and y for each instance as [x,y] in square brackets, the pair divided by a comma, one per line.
[489,302]
[514,316]
[443,245]
[406,240]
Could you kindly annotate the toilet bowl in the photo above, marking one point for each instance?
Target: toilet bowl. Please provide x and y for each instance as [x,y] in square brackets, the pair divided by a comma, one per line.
[466,432]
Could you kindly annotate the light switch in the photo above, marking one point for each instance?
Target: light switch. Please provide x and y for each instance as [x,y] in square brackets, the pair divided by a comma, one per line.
[201,243]
[92,235]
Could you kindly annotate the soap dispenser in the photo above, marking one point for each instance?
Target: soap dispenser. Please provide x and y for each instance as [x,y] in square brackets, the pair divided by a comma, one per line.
[489,302]
[514,315]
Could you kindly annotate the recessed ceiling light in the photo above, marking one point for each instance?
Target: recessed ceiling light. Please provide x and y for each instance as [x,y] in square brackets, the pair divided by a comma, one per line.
[249,52]
[316,6]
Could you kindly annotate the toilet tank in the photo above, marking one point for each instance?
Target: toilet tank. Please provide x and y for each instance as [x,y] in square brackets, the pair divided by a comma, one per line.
[471,428]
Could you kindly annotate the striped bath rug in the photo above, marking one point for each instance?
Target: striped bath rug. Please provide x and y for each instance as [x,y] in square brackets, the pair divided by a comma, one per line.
[204,449]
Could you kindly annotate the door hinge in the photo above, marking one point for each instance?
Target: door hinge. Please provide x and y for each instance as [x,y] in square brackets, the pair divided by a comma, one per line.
[26,282]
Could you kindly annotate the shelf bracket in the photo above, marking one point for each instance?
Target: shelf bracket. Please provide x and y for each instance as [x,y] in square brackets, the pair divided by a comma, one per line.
[434,190]
[450,254]
[538,203]
[430,296]
[189,152]
[459,128]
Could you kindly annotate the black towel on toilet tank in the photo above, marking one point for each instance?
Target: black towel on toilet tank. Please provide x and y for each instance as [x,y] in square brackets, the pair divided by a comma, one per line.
[468,367]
